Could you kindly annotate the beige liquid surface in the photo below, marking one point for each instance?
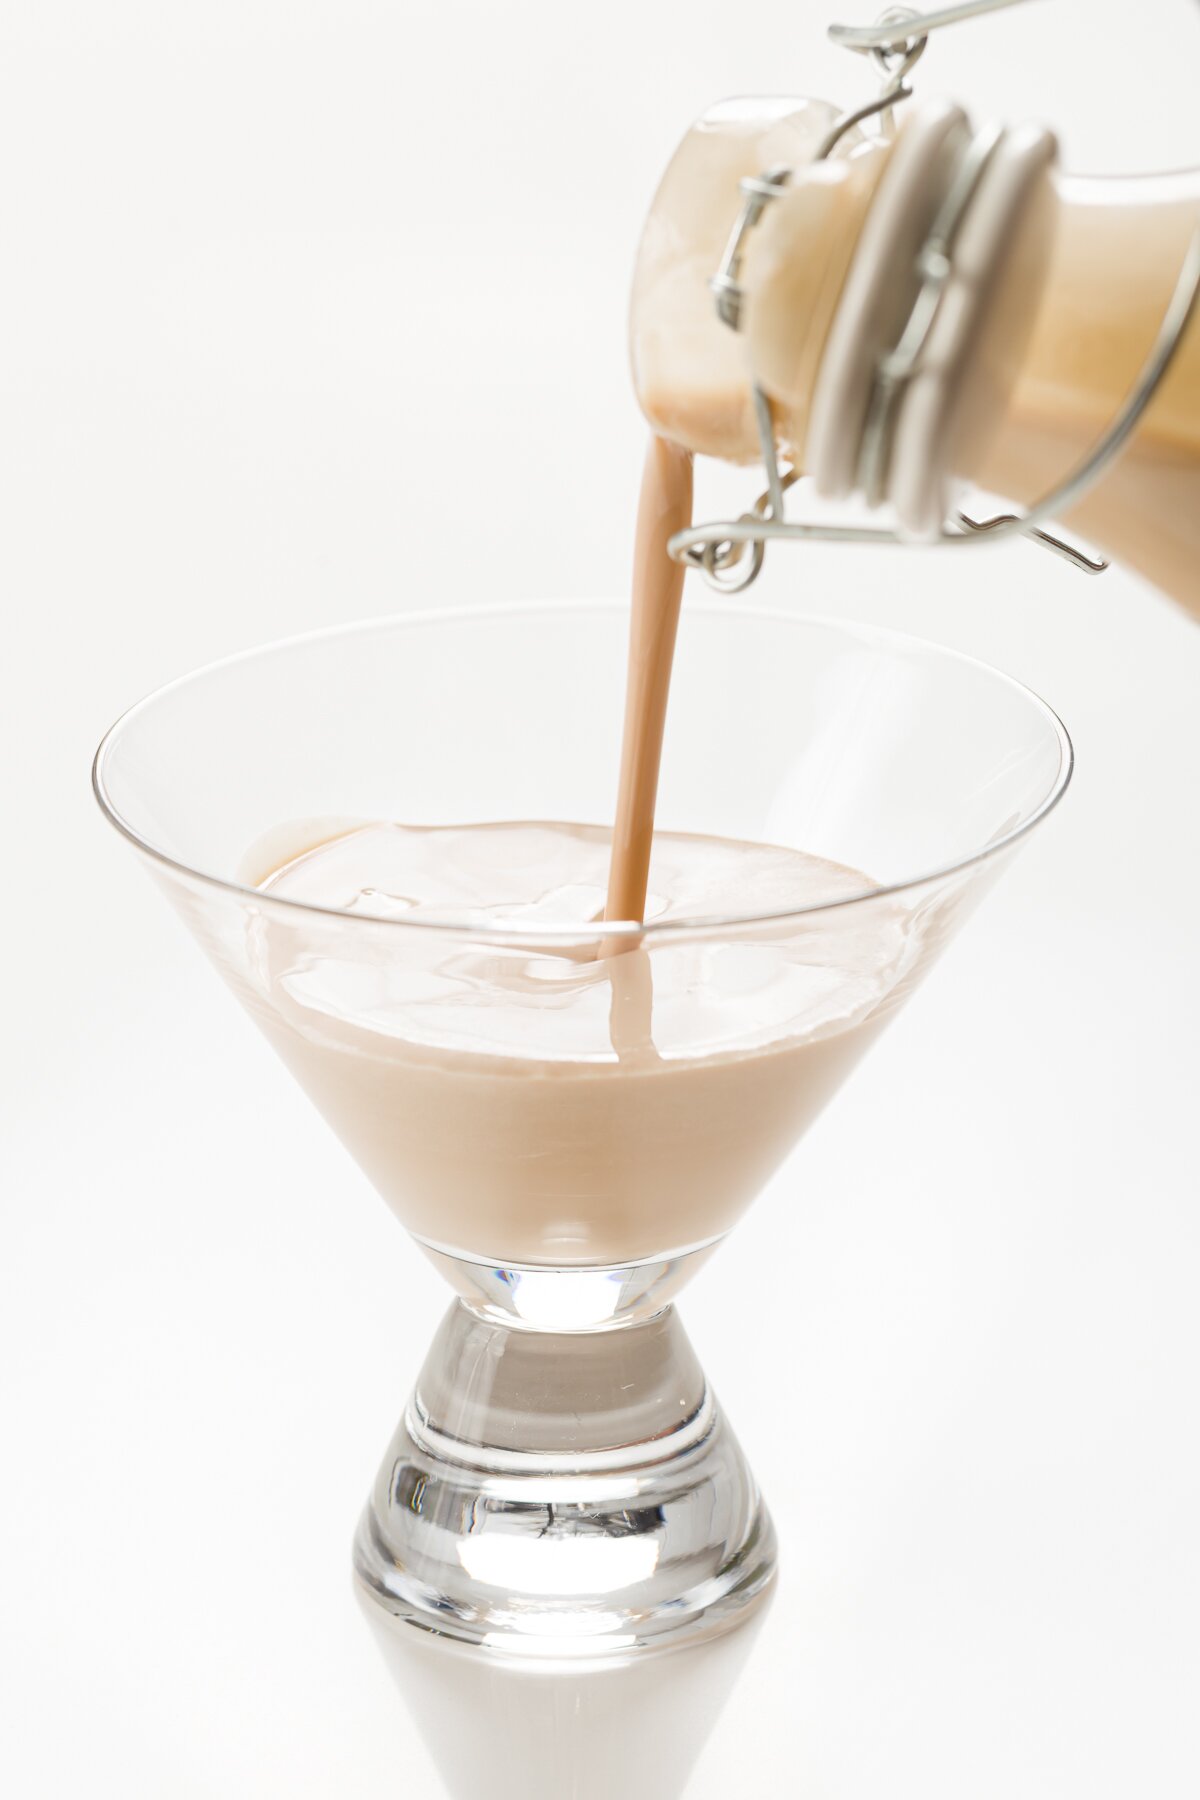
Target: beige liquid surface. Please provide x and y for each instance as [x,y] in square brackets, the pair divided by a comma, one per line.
[535,1103]
[602,1100]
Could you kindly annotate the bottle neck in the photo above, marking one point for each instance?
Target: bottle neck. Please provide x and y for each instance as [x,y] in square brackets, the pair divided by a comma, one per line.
[1118,247]
[1073,309]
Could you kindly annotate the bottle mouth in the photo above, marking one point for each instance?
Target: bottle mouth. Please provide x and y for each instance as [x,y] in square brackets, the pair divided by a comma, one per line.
[689,367]
[185,714]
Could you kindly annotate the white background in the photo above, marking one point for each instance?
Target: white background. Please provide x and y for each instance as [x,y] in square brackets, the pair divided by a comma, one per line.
[314,309]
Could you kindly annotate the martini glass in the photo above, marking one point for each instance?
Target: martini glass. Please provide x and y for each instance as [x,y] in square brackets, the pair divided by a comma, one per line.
[563,1480]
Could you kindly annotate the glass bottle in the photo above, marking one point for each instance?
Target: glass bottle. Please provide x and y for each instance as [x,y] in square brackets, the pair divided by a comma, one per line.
[1068,309]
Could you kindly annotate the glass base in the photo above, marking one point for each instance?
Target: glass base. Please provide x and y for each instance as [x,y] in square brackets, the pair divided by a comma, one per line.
[568,1297]
[552,1494]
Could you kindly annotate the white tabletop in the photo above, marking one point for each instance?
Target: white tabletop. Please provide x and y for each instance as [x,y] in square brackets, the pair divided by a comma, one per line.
[958,1336]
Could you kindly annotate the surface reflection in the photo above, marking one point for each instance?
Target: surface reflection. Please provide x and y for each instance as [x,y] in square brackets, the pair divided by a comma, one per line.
[563,1732]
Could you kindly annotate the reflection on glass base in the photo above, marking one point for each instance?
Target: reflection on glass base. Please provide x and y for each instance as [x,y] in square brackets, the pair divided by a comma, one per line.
[586,1297]
[553,1494]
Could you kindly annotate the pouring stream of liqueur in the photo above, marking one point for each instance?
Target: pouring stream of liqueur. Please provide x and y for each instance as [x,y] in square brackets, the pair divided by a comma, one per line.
[664,507]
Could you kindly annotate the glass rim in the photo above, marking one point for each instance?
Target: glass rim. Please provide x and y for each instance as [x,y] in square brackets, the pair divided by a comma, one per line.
[529,932]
